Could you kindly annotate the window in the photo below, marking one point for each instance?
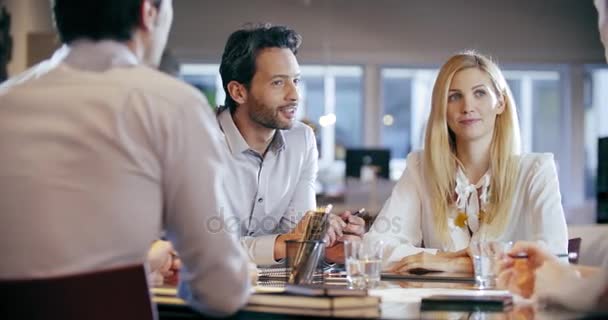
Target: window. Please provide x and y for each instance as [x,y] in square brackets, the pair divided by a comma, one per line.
[332,101]
[406,97]
[206,78]
[596,117]
[538,98]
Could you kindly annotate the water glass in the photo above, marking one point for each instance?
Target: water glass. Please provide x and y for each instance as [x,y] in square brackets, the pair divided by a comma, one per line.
[486,256]
[363,263]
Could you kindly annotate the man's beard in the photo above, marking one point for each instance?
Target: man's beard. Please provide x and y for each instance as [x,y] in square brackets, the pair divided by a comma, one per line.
[267,116]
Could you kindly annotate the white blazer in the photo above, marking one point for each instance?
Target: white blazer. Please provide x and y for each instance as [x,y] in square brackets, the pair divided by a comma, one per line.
[405,222]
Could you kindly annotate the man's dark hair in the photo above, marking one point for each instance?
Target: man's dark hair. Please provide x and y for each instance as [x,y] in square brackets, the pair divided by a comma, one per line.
[242,48]
[97,20]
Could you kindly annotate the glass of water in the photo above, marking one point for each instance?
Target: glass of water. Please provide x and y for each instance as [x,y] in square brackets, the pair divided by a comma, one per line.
[363,263]
[486,255]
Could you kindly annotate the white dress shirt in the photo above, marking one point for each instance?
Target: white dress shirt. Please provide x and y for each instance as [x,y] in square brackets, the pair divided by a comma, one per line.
[269,194]
[98,154]
[406,219]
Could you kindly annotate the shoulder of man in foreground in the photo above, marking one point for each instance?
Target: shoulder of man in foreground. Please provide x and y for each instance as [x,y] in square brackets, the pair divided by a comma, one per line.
[160,85]
[35,71]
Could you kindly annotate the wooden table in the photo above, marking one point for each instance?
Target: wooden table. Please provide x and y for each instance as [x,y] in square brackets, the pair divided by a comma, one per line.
[398,302]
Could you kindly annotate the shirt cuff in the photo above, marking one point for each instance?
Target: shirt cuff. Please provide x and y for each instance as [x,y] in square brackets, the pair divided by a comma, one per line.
[263,250]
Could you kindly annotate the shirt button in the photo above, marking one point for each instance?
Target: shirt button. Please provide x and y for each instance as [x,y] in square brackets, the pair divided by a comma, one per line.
[260,200]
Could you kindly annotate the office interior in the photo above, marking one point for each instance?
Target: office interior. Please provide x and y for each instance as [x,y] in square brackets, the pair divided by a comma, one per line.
[368,69]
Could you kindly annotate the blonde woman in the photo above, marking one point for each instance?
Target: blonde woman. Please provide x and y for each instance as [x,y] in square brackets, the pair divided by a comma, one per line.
[471,181]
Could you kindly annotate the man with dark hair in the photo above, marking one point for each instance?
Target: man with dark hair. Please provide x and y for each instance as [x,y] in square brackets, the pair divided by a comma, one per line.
[274,156]
[109,152]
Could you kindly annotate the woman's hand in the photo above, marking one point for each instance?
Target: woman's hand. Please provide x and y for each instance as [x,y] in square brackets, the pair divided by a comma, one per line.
[458,261]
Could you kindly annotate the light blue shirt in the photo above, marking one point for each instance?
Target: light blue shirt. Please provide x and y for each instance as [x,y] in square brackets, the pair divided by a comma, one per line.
[269,194]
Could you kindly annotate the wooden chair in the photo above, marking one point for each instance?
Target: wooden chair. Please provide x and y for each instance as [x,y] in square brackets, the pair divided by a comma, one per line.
[120,293]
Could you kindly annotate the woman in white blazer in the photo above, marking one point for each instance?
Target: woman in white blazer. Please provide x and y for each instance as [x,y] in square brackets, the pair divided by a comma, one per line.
[470,181]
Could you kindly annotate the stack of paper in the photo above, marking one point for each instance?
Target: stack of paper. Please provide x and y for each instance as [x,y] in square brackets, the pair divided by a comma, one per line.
[315,301]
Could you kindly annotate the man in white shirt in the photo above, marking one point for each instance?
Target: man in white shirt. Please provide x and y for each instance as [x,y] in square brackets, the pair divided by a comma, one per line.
[100,152]
[273,156]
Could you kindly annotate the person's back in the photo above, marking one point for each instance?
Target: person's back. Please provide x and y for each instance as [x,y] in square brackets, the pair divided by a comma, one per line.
[81,155]
[99,154]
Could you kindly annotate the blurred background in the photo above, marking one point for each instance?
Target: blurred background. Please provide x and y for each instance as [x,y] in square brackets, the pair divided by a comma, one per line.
[368,67]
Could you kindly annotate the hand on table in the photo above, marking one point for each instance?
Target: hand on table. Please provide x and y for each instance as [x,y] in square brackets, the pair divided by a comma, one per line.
[458,261]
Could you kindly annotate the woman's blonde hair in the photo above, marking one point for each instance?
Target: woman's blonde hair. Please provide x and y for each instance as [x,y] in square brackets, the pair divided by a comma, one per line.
[440,161]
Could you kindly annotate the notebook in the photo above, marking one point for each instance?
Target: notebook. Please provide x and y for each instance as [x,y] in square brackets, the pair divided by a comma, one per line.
[167,291]
[430,277]
[368,312]
[324,291]
[313,302]
[314,297]
[447,302]
[273,272]
[276,276]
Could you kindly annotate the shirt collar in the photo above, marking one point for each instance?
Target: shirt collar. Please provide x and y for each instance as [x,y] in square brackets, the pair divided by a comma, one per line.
[99,56]
[236,142]
[278,141]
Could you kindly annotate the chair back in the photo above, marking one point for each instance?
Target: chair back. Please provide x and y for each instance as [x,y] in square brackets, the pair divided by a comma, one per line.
[120,293]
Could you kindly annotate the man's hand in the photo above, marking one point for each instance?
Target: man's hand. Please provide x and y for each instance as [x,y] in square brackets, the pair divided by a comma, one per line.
[296,234]
[163,262]
[335,253]
[343,227]
[518,274]
[355,225]
[342,224]
[339,227]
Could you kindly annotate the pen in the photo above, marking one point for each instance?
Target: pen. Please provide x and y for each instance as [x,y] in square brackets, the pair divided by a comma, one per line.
[523,255]
[359,212]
